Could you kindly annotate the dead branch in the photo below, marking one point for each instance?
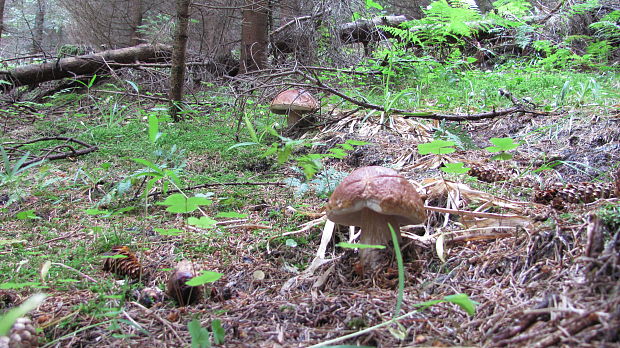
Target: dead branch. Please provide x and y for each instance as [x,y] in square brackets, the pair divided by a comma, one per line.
[317,83]
[157,193]
[48,156]
[293,21]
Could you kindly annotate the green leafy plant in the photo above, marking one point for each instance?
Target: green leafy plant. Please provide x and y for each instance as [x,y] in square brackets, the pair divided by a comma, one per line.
[502,145]
[204,278]
[454,168]
[179,203]
[310,164]
[7,320]
[11,173]
[437,147]
[157,173]
[201,337]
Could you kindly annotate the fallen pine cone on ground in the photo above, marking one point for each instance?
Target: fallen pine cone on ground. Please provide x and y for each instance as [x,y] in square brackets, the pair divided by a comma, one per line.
[22,335]
[121,261]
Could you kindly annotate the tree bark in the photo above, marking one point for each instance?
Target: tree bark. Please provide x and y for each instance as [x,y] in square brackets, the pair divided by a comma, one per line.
[177,72]
[39,23]
[1,17]
[135,8]
[80,65]
[254,38]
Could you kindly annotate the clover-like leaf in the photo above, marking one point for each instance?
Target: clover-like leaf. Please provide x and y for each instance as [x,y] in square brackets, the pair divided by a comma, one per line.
[202,222]
[218,331]
[199,335]
[231,215]
[203,278]
[455,168]
[502,157]
[437,147]
[178,203]
[502,144]
[27,214]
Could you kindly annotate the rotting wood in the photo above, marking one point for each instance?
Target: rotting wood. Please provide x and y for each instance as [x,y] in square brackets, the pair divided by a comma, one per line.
[85,64]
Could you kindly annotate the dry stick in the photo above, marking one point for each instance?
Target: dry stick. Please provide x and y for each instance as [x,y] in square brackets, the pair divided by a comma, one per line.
[133,95]
[524,323]
[63,155]
[21,143]
[161,320]
[151,97]
[89,148]
[471,213]
[74,270]
[573,327]
[220,184]
[295,20]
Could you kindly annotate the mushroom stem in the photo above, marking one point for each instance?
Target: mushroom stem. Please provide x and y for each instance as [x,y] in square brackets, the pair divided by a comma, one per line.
[293,118]
[375,231]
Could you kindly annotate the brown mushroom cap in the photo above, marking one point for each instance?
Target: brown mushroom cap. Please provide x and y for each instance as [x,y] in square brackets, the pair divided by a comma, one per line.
[379,189]
[176,288]
[298,100]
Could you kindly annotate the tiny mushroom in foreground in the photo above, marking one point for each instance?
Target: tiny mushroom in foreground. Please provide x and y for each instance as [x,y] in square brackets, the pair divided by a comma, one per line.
[294,103]
[176,288]
[372,197]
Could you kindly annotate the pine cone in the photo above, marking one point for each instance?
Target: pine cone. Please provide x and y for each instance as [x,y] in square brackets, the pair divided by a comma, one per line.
[489,174]
[22,335]
[176,287]
[129,265]
[585,192]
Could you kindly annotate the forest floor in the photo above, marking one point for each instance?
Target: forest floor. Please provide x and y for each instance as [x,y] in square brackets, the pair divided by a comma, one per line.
[543,273]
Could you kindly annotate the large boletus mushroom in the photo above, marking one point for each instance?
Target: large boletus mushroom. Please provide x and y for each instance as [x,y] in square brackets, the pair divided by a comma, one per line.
[372,197]
[293,103]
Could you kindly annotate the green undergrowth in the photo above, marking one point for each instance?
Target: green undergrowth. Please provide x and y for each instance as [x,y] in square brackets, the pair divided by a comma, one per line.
[449,89]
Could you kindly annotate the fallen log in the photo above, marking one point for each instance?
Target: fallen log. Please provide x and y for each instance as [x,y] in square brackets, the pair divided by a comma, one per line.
[366,30]
[83,65]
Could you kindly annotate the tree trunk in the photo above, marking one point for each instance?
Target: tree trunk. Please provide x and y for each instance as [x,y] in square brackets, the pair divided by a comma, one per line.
[254,38]
[81,65]
[177,72]
[39,23]
[135,8]
[1,17]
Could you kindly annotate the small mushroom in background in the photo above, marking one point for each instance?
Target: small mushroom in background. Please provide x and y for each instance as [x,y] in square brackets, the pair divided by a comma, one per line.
[294,103]
[370,198]
[176,288]
[150,296]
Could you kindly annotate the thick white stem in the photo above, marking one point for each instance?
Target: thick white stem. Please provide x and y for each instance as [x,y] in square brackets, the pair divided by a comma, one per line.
[375,231]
